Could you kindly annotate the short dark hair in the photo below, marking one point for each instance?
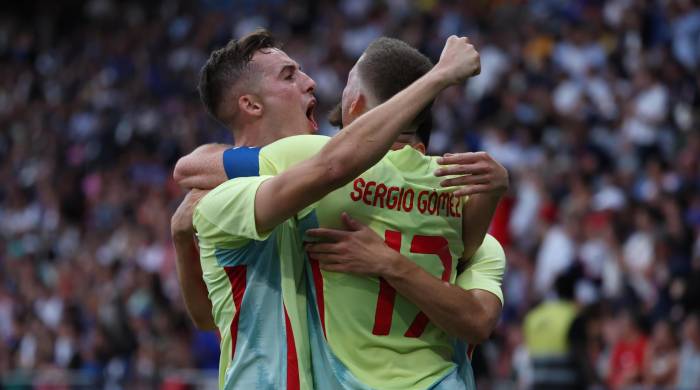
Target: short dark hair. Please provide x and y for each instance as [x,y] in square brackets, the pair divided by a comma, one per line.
[565,286]
[227,65]
[390,65]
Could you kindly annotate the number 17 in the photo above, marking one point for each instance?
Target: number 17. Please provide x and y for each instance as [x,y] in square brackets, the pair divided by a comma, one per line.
[429,245]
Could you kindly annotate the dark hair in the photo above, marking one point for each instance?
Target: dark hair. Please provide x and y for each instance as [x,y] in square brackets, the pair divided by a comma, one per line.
[390,65]
[564,285]
[227,65]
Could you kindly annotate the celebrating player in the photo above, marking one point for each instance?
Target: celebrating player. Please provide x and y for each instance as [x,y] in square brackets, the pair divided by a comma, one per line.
[229,258]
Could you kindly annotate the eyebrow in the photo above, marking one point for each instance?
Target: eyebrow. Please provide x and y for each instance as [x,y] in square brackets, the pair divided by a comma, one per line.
[292,66]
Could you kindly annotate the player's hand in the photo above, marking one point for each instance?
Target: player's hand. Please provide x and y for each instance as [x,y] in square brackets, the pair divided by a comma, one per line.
[181,221]
[357,250]
[459,60]
[480,173]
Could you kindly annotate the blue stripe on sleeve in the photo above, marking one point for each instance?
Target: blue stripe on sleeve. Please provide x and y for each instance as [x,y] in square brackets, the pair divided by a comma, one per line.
[241,162]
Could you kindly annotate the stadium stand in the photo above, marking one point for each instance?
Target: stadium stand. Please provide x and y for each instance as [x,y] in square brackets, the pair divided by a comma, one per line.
[591,105]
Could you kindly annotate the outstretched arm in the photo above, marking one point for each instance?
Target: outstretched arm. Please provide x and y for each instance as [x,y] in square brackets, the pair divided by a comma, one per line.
[485,181]
[468,310]
[361,144]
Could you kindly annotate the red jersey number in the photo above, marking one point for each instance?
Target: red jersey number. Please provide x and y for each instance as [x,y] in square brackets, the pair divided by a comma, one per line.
[430,245]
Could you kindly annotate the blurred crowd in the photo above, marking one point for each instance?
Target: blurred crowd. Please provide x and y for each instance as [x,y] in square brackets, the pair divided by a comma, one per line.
[591,105]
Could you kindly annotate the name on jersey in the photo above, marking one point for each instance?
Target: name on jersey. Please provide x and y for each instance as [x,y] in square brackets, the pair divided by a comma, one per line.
[406,199]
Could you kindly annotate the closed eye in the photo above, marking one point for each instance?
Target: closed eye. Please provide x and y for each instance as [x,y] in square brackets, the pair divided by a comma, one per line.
[289,71]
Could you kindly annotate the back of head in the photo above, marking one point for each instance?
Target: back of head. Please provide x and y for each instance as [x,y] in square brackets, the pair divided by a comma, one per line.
[564,285]
[390,65]
[229,69]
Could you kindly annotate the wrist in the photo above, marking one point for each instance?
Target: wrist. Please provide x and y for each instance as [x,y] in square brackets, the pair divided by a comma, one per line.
[491,196]
[439,77]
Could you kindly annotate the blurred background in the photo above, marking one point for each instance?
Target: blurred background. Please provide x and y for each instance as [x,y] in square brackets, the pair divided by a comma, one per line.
[593,106]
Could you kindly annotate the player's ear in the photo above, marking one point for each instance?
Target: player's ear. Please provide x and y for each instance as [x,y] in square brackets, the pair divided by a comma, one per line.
[419,146]
[358,105]
[250,104]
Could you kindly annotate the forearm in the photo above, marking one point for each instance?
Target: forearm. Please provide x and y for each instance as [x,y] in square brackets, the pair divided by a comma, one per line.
[194,290]
[367,139]
[203,168]
[344,157]
[476,219]
[456,311]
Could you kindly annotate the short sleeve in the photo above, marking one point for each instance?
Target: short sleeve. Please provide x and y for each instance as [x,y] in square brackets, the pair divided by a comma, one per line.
[283,154]
[272,159]
[225,217]
[485,268]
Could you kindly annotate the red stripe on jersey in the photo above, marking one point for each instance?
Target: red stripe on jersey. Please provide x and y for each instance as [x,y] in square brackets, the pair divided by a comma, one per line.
[292,363]
[385,308]
[236,276]
[318,281]
[417,326]
[470,351]
[434,245]
[194,247]
[387,294]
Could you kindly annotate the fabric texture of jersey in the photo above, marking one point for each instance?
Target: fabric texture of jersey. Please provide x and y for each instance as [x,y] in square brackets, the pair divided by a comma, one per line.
[485,269]
[362,320]
[258,299]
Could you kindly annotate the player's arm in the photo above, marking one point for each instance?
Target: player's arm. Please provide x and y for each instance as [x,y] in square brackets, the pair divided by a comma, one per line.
[468,310]
[189,270]
[485,181]
[482,276]
[361,144]
[203,168]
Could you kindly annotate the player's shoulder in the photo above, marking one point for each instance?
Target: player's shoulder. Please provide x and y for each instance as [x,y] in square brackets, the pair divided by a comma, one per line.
[236,185]
[228,191]
[491,244]
[296,141]
[287,152]
[226,215]
[490,250]
[410,159]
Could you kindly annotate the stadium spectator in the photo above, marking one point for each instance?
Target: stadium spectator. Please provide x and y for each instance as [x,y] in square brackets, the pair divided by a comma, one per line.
[593,107]
[661,358]
[689,361]
[585,338]
[546,329]
[628,352]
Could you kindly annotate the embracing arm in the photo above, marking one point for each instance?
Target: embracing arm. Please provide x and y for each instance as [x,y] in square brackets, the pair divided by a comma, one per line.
[189,270]
[363,143]
[476,215]
[203,168]
[470,315]
[485,181]
[468,310]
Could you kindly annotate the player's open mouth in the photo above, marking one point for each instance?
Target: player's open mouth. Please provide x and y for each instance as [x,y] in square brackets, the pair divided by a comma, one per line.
[310,114]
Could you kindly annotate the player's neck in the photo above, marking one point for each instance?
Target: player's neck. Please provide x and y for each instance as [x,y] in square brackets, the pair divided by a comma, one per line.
[254,136]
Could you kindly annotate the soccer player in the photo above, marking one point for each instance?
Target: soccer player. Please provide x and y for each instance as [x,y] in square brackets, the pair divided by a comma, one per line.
[244,224]
[300,145]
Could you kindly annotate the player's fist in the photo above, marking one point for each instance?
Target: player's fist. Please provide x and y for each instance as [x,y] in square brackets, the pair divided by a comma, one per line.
[459,60]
